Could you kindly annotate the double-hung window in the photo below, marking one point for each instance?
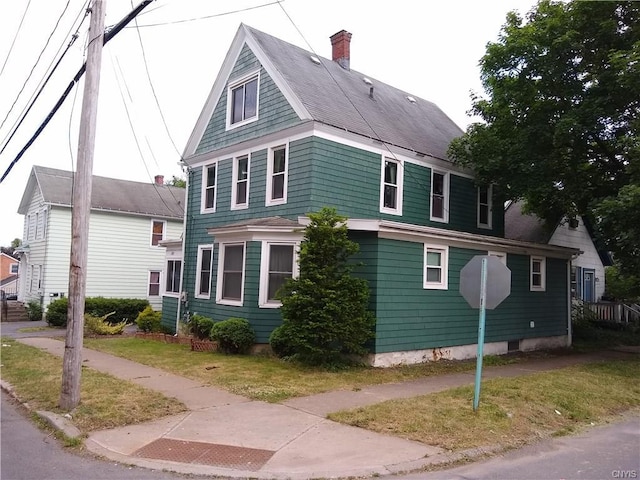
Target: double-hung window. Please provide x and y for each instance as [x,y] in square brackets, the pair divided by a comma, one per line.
[209,180]
[391,187]
[14,268]
[240,182]
[278,265]
[157,231]
[174,270]
[484,207]
[439,196]
[277,176]
[538,274]
[436,264]
[203,277]
[230,282]
[154,283]
[243,101]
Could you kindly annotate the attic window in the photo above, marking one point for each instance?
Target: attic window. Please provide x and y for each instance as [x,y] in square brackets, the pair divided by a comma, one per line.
[315,59]
[411,99]
[242,101]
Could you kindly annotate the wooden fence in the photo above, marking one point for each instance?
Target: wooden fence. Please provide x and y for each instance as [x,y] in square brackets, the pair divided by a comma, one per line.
[615,312]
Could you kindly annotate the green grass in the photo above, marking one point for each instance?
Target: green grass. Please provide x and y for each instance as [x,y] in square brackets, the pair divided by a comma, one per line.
[512,411]
[262,377]
[105,402]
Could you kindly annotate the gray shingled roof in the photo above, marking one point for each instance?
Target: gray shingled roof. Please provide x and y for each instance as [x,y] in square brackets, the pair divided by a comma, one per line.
[340,98]
[525,227]
[112,194]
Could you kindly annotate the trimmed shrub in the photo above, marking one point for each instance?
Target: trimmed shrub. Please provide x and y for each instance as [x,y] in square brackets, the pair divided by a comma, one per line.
[101,326]
[34,310]
[281,345]
[117,309]
[57,312]
[149,320]
[233,335]
[121,309]
[200,326]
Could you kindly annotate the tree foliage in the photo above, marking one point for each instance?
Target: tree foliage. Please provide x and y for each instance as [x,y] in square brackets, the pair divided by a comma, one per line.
[177,182]
[561,115]
[325,310]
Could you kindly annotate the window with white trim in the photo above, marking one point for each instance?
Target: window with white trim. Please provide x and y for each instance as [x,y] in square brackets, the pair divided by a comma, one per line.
[230,281]
[35,234]
[209,181]
[27,233]
[278,263]
[484,206]
[277,173]
[538,274]
[174,271]
[154,283]
[14,268]
[242,101]
[240,194]
[391,186]
[203,274]
[436,264]
[439,196]
[157,231]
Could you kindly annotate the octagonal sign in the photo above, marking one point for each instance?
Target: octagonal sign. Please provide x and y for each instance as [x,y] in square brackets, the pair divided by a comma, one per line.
[498,281]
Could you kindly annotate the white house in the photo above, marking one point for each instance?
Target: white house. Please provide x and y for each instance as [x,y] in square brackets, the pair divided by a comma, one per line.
[587,269]
[127,222]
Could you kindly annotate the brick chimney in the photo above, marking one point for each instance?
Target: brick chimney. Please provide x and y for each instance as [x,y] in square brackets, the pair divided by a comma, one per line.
[159,179]
[341,53]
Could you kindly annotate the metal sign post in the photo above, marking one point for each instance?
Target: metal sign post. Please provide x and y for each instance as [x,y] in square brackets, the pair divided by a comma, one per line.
[481,322]
[479,293]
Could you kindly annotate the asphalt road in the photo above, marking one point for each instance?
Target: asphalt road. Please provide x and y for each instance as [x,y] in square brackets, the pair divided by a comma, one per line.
[599,453]
[27,453]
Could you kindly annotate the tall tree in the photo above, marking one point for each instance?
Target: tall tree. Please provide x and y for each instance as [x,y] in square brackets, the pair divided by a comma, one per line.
[561,112]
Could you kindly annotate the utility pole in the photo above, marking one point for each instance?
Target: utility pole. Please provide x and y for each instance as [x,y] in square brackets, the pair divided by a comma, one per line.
[81,206]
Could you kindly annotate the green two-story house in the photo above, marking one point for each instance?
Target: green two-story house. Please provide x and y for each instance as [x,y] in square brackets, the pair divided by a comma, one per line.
[284,133]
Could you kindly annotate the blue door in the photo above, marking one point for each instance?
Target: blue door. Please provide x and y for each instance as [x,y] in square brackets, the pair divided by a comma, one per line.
[588,286]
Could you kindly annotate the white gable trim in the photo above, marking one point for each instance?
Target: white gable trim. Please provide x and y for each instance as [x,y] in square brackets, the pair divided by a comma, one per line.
[219,86]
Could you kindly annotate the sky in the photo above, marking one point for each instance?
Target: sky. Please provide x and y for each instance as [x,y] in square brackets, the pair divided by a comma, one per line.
[155,78]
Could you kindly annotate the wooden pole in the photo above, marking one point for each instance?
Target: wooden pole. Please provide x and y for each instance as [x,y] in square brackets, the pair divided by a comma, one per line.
[81,206]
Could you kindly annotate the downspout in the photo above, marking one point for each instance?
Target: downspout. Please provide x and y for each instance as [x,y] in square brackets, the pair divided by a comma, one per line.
[184,243]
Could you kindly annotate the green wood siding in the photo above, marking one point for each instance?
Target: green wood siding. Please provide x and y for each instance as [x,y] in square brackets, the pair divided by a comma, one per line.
[169,312]
[412,318]
[274,112]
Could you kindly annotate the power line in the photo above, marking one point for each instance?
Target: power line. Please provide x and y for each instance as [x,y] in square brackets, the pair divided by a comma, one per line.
[107,37]
[43,83]
[209,16]
[352,104]
[15,37]
[35,64]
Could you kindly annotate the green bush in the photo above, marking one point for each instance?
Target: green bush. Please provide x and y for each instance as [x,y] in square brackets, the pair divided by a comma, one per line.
[121,309]
[325,311]
[34,310]
[280,343]
[149,320]
[57,312]
[200,326]
[101,326]
[124,309]
[234,335]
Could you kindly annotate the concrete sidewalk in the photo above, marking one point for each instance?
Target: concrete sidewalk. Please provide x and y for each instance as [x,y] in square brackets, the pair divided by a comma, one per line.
[231,436]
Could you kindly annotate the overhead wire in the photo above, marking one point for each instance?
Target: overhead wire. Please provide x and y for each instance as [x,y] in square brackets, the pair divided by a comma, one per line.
[133,131]
[15,37]
[379,138]
[108,35]
[205,17]
[51,69]
[35,64]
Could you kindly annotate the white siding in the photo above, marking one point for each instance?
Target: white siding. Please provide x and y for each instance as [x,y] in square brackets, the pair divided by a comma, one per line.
[579,238]
[35,258]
